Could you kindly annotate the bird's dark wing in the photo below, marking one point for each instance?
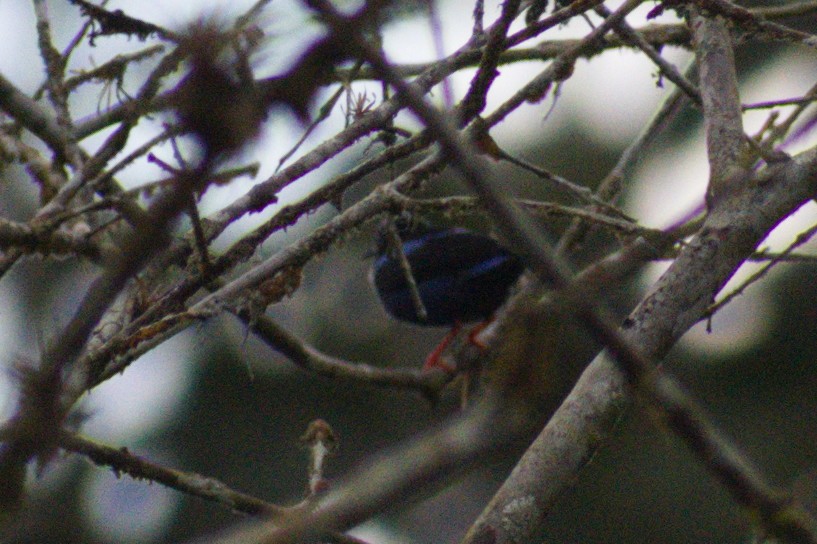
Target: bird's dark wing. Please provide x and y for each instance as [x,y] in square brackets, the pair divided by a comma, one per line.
[461,276]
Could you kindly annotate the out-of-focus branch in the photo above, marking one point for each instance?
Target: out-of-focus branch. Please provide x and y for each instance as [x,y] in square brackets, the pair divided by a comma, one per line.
[465,204]
[39,415]
[789,9]
[54,68]
[22,236]
[33,116]
[474,101]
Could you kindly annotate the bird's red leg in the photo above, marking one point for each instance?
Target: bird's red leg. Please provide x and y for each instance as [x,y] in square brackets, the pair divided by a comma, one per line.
[433,359]
[477,330]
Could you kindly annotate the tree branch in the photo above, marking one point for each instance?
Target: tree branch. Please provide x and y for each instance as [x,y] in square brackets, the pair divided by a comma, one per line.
[723,115]
[124,462]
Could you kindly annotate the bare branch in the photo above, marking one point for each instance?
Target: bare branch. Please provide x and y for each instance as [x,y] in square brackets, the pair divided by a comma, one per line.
[309,358]
[121,461]
[721,104]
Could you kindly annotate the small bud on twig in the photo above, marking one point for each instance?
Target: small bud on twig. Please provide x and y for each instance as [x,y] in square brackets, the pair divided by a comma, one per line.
[322,443]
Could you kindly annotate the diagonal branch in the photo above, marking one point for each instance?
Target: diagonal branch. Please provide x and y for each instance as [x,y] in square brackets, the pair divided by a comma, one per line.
[124,462]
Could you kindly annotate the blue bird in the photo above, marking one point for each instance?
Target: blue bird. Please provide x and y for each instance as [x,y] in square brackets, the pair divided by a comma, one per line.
[461,277]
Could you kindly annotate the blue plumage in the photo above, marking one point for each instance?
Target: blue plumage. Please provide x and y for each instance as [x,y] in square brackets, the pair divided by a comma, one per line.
[461,276]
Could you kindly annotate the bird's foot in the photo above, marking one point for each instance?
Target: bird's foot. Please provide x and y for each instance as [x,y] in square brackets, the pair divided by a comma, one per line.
[473,334]
[434,359]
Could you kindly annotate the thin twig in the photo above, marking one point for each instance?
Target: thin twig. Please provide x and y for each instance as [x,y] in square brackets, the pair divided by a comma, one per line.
[750,21]
[773,260]
[464,204]
[800,100]
[613,183]
[395,244]
[323,114]
[122,461]
[309,358]
[631,36]
[781,129]
[474,101]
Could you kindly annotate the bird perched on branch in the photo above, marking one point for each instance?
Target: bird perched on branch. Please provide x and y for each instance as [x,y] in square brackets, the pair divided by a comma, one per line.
[443,277]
